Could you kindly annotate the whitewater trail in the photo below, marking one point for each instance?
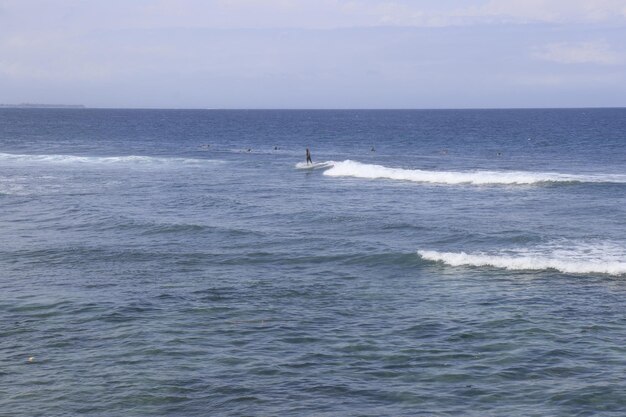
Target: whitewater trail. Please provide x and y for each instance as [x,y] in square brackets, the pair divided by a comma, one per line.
[573,258]
[356,169]
[100,160]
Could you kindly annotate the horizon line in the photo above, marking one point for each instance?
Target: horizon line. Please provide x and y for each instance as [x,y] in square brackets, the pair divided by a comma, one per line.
[83,107]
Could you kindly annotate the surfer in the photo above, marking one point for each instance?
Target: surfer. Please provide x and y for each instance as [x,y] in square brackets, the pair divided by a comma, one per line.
[308,156]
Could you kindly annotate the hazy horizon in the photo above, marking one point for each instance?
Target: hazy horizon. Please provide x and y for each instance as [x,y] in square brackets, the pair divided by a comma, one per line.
[79,106]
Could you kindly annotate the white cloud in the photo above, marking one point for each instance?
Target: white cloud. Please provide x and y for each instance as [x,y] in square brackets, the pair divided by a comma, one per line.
[578,53]
[77,15]
[553,11]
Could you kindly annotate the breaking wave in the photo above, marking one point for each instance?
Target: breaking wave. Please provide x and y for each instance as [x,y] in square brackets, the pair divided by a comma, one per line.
[582,258]
[101,160]
[359,170]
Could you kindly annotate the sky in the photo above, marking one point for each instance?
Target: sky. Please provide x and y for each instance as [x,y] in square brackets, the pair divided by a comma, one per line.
[314,53]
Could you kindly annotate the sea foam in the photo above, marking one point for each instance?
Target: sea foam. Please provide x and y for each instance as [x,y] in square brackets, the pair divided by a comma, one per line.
[101,160]
[578,258]
[356,169]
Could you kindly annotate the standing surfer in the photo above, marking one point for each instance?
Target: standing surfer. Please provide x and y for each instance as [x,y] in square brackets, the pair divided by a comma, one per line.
[308,156]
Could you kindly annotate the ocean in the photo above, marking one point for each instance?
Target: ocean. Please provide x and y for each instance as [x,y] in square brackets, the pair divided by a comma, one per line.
[430,262]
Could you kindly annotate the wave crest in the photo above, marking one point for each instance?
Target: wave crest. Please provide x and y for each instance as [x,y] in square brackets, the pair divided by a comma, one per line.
[356,169]
[579,259]
[102,160]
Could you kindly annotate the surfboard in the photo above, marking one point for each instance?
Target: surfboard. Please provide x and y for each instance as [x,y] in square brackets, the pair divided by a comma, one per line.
[315,165]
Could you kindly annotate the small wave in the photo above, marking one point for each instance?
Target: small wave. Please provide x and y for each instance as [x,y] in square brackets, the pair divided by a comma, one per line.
[103,160]
[359,170]
[584,258]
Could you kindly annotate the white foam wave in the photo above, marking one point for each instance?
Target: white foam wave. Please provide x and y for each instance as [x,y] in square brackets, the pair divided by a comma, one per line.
[588,258]
[359,170]
[102,160]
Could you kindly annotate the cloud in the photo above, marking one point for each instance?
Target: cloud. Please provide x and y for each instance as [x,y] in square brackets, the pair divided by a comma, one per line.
[551,11]
[578,53]
[78,15]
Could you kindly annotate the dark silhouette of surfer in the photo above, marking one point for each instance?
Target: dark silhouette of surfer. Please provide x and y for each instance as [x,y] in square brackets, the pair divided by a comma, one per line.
[308,156]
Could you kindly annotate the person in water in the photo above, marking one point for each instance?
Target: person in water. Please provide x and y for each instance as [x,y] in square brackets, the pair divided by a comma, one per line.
[308,156]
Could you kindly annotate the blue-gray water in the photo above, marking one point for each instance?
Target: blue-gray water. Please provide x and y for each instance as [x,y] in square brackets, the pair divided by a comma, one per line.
[433,263]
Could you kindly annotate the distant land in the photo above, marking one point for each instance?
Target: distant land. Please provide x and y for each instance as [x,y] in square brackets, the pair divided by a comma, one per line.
[43,106]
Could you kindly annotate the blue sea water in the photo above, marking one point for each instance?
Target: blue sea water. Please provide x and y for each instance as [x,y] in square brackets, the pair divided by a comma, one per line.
[187,263]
